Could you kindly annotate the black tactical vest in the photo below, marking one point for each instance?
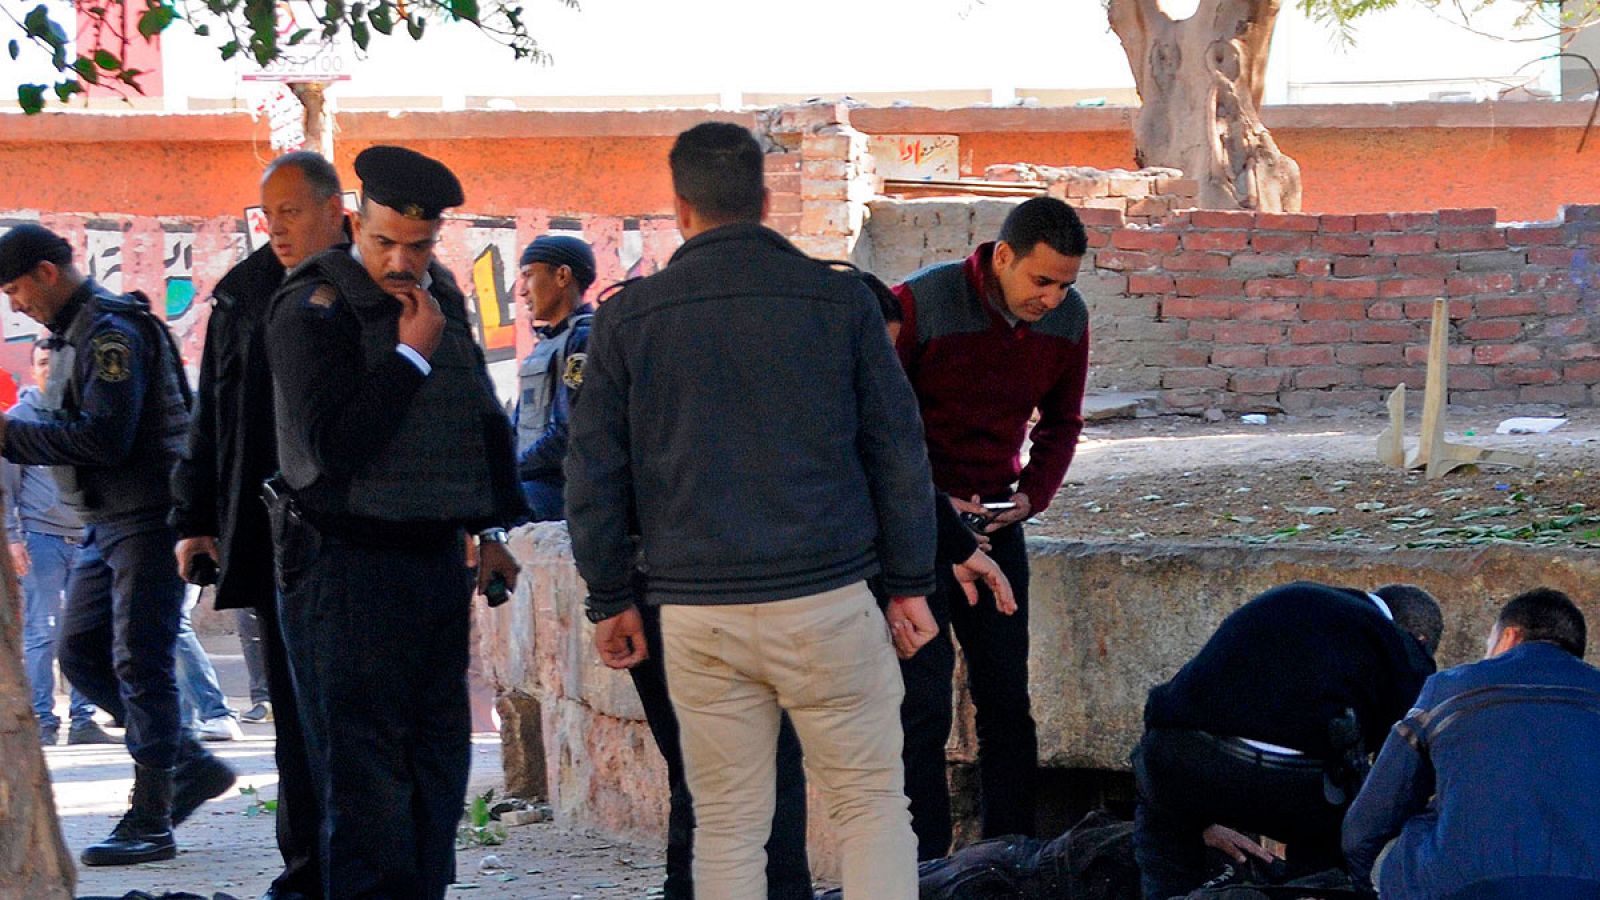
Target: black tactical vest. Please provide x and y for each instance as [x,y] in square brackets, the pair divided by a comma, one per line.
[436,469]
[142,483]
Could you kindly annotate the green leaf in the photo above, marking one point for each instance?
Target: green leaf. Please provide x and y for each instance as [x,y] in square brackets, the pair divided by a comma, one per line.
[464,9]
[359,33]
[84,66]
[107,60]
[414,27]
[13,49]
[230,50]
[155,19]
[65,89]
[299,36]
[30,97]
[381,18]
[203,30]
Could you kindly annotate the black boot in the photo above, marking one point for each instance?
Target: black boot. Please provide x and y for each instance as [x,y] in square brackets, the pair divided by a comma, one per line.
[198,778]
[145,833]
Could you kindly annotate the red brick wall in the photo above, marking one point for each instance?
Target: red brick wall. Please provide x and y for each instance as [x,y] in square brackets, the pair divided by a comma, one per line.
[1245,311]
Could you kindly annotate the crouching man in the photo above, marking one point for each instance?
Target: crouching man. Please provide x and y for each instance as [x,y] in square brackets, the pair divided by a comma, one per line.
[1487,786]
[1267,729]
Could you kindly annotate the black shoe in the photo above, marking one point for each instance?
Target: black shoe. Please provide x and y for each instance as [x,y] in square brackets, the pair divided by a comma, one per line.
[145,833]
[49,734]
[88,732]
[198,778]
[258,714]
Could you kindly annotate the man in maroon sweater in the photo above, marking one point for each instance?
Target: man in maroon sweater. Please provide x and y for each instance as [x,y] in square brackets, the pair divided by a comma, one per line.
[986,342]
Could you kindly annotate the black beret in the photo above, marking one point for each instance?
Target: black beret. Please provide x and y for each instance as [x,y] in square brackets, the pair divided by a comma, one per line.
[414,185]
[563,250]
[25,246]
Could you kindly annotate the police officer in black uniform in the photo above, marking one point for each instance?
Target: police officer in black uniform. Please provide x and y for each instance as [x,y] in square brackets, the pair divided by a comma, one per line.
[117,407]
[396,463]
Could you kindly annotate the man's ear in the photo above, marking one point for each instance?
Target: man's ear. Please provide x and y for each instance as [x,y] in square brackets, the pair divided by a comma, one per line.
[1510,636]
[684,212]
[1004,256]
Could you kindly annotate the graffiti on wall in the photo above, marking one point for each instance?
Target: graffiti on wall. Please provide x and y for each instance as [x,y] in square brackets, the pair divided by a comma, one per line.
[177,260]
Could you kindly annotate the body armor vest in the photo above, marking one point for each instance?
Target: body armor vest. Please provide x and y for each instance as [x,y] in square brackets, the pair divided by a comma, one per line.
[436,467]
[143,481]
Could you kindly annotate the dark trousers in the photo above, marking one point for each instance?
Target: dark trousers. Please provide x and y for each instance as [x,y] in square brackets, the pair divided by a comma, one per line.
[1189,780]
[376,639]
[925,717]
[119,631]
[299,818]
[255,663]
[788,871]
[996,651]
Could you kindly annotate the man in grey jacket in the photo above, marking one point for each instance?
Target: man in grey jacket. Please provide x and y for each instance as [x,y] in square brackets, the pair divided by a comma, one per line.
[744,409]
[44,536]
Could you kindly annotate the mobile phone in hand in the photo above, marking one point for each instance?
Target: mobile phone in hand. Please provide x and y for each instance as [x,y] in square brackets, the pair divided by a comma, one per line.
[202,570]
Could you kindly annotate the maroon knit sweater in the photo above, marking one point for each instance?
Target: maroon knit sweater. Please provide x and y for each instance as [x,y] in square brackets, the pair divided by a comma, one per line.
[979,379]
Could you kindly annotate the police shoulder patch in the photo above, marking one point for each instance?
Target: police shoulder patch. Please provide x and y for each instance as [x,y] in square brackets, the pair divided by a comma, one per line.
[112,356]
[321,298]
[572,376]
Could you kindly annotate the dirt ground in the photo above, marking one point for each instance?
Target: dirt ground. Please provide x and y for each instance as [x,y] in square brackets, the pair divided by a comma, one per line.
[1318,480]
[228,846]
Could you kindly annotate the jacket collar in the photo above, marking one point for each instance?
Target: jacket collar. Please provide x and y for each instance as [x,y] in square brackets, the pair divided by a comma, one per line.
[69,311]
[744,231]
[549,331]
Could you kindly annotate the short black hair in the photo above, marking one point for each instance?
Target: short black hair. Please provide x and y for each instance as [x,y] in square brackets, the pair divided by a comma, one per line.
[1045,220]
[717,170]
[319,173]
[1415,612]
[1545,614]
[45,340]
[888,303]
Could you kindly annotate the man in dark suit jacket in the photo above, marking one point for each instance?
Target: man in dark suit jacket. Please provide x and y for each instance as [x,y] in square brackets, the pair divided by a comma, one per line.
[1267,729]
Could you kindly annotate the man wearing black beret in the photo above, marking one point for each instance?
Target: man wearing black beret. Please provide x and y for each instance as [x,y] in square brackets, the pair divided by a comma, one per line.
[396,467]
[115,409]
[555,271]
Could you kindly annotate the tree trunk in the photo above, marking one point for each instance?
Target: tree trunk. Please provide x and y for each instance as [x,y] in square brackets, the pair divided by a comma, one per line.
[1200,83]
[34,864]
[318,124]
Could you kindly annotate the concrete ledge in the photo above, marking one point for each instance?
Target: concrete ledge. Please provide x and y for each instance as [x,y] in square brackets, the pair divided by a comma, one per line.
[80,127]
[921,120]
[1108,623]
[479,124]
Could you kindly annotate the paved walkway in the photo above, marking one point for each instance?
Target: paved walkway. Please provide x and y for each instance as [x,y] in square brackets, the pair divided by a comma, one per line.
[225,848]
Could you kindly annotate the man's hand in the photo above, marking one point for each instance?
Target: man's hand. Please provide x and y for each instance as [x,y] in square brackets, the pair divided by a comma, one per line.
[421,320]
[19,559]
[190,547]
[980,568]
[911,625]
[620,639]
[494,558]
[1235,845]
[1021,511]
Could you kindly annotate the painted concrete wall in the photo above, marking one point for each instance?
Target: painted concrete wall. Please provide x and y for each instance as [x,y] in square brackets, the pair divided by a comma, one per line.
[1519,158]
[1108,623]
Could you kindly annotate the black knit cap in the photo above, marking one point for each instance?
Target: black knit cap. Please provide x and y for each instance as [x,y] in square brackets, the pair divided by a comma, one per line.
[24,247]
[563,250]
[416,186]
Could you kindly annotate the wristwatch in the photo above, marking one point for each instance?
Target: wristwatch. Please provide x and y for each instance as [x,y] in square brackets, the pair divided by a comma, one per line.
[492,535]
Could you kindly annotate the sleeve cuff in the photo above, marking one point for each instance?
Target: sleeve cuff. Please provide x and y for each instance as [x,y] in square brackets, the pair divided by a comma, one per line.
[897,586]
[414,358]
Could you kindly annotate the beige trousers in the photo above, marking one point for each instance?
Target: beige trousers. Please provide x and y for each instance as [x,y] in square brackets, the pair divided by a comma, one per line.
[827,660]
